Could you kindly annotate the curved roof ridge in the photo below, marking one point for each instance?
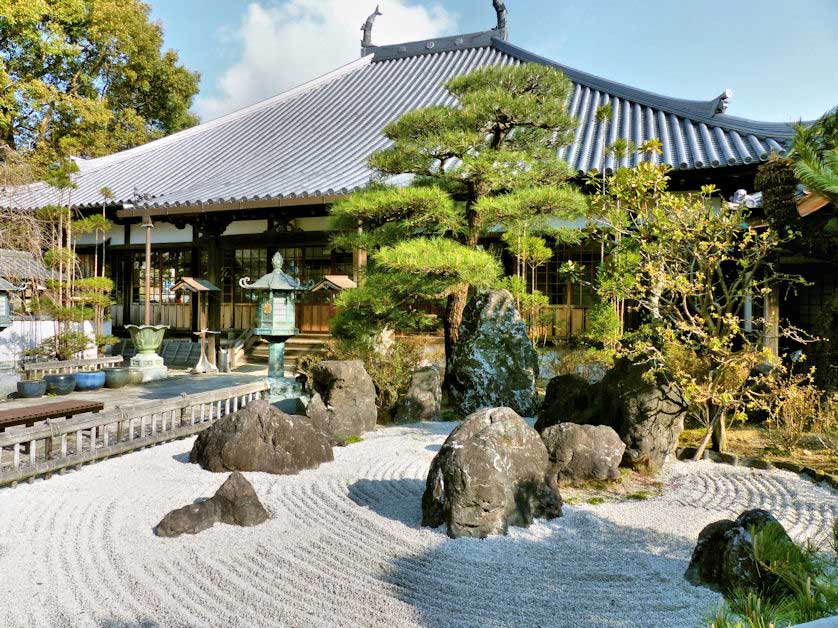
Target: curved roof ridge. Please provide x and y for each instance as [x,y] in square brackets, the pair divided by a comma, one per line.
[696,110]
[90,165]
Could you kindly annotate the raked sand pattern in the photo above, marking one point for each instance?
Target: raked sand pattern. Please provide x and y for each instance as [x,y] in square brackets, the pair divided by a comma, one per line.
[344,547]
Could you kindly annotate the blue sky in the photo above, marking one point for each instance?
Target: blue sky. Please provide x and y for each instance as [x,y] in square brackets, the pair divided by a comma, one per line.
[780,57]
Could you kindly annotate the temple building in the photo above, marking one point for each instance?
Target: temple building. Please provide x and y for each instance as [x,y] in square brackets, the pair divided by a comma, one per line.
[225,195]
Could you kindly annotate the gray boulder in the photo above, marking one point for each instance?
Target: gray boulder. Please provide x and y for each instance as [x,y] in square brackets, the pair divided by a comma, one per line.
[347,394]
[235,503]
[583,452]
[260,437]
[723,559]
[491,473]
[568,399]
[493,363]
[648,416]
[423,400]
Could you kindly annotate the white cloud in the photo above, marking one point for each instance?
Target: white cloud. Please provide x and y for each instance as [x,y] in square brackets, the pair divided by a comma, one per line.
[288,44]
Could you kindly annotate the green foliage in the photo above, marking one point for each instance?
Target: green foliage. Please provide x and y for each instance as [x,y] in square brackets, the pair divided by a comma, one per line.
[87,77]
[815,155]
[604,325]
[63,346]
[805,586]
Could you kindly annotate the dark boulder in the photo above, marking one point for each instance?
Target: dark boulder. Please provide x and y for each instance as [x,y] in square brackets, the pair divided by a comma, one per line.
[580,453]
[648,416]
[568,399]
[493,363]
[347,393]
[492,472]
[260,437]
[723,558]
[235,503]
[423,400]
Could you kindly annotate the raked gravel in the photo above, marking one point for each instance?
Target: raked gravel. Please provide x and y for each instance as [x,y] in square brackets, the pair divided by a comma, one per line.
[344,547]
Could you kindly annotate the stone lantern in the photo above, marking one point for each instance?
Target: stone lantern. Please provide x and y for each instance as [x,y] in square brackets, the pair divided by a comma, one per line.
[277,323]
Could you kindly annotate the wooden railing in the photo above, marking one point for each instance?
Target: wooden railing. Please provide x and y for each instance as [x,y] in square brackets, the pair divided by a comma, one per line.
[40,369]
[69,443]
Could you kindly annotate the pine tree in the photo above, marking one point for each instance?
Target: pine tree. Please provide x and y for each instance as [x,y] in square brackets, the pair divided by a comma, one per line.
[492,159]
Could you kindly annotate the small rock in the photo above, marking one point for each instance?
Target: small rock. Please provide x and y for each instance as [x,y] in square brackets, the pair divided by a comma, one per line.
[723,558]
[260,437]
[492,472]
[235,503]
[423,400]
[581,453]
[568,399]
[347,393]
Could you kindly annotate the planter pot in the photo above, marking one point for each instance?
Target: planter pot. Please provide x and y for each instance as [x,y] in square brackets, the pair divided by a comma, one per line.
[90,381]
[135,377]
[62,384]
[32,389]
[147,338]
[116,377]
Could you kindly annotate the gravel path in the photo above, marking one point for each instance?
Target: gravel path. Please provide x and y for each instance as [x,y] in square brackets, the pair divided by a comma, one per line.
[344,547]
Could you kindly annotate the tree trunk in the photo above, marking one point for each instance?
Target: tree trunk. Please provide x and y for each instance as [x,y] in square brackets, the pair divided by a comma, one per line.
[720,435]
[453,317]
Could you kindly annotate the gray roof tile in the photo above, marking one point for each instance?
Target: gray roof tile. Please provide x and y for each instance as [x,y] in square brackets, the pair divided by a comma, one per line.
[313,141]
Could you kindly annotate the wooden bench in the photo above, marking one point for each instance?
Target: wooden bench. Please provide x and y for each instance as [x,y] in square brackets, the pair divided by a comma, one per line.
[30,415]
[36,370]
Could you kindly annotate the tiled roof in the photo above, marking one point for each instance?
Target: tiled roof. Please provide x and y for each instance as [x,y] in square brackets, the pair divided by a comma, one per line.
[313,142]
[17,266]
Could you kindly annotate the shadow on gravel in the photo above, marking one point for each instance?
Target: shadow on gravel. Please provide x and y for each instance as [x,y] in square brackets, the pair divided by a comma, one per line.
[578,570]
[433,447]
[183,458]
[400,500]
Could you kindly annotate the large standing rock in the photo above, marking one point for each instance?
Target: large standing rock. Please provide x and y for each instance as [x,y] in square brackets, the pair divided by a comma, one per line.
[723,558]
[493,363]
[648,416]
[260,437]
[492,472]
[235,503]
[583,452]
[568,399]
[423,400]
[347,393]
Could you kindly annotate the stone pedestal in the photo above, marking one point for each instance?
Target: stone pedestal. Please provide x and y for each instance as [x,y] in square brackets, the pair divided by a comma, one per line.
[151,365]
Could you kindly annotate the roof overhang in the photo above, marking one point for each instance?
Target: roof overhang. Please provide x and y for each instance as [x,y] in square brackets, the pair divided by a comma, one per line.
[129,211]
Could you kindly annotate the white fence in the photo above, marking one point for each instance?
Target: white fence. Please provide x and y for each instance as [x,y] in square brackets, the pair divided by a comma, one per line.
[69,443]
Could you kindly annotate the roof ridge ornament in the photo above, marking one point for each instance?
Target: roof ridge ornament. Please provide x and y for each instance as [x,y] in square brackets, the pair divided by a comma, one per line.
[366,42]
[723,101]
[503,19]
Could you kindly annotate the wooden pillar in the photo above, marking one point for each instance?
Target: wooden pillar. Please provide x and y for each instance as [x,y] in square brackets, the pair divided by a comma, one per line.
[195,271]
[149,225]
[215,260]
[771,339]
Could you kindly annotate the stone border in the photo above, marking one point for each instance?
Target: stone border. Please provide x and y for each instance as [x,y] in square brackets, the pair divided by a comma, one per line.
[685,454]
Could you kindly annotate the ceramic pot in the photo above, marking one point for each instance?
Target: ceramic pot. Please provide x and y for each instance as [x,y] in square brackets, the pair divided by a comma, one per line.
[135,377]
[116,377]
[32,389]
[93,380]
[61,384]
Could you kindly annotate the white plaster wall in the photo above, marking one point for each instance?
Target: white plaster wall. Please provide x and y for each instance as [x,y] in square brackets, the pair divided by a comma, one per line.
[27,334]
[246,227]
[116,236]
[312,223]
[162,233]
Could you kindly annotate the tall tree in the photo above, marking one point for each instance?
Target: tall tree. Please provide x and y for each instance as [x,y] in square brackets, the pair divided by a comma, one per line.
[491,159]
[87,77]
